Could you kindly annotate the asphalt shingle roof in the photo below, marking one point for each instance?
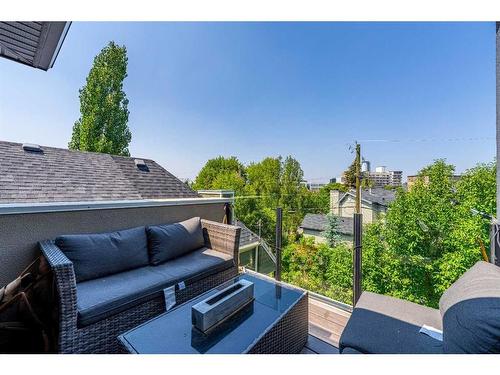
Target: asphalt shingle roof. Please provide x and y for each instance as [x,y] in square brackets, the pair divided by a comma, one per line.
[60,175]
[319,223]
[247,237]
[379,196]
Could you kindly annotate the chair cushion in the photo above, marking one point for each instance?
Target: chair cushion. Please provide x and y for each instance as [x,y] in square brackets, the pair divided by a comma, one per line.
[100,298]
[98,255]
[471,311]
[383,324]
[170,241]
[349,350]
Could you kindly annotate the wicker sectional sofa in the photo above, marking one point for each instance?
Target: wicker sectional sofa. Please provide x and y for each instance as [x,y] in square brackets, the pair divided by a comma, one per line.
[108,285]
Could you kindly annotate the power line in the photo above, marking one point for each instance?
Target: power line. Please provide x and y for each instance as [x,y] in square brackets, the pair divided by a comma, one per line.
[453,139]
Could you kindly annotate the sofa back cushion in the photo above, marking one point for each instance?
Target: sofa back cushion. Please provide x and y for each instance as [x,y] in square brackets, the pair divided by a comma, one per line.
[471,311]
[98,255]
[171,241]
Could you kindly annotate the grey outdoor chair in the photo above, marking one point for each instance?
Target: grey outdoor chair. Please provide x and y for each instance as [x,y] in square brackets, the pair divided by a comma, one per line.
[468,316]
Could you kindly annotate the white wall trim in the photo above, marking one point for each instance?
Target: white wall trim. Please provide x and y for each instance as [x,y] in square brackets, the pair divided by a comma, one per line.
[250,246]
[28,208]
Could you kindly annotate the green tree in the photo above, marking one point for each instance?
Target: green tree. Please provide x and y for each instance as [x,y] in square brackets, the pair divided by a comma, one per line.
[430,236]
[292,195]
[332,230]
[366,182]
[320,200]
[264,179]
[102,126]
[318,267]
[222,173]
[259,189]
[427,240]
[350,175]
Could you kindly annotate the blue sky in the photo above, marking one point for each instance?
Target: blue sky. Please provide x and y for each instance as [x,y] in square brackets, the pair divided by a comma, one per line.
[198,90]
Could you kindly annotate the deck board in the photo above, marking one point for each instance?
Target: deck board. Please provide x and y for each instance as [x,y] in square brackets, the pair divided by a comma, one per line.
[317,346]
[326,323]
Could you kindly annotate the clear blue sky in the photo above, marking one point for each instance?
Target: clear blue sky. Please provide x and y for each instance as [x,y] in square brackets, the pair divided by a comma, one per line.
[198,90]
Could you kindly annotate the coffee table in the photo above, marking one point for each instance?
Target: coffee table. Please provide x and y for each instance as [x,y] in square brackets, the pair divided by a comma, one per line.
[275,322]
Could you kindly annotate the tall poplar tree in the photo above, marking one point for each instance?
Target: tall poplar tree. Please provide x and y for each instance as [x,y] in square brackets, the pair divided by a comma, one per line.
[102,126]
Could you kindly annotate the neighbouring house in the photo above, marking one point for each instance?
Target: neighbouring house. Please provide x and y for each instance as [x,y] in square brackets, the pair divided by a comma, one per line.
[374,203]
[39,174]
[314,225]
[255,254]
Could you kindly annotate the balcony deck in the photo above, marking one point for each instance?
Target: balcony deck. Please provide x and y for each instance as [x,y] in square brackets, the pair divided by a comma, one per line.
[326,323]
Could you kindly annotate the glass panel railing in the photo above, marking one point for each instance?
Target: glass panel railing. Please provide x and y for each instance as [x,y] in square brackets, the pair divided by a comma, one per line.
[417,239]
[315,257]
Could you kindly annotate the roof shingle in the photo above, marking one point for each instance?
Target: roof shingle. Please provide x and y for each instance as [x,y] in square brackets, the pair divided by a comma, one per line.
[319,222]
[247,237]
[60,175]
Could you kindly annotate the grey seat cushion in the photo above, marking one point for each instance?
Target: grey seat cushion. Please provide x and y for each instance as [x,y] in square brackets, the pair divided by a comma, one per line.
[166,242]
[349,350]
[102,254]
[106,296]
[383,324]
[471,311]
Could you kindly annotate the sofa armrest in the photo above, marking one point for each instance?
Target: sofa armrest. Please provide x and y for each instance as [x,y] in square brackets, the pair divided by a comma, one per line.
[222,237]
[66,287]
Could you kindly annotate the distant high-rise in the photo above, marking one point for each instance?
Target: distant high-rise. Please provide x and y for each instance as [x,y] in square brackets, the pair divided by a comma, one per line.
[365,166]
[383,177]
[380,177]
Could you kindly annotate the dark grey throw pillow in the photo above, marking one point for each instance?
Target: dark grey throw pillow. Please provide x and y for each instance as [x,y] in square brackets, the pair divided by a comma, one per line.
[98,255]
[171,241]
[471,311]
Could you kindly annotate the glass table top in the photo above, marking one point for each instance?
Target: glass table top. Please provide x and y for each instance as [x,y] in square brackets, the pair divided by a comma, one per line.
[173,332]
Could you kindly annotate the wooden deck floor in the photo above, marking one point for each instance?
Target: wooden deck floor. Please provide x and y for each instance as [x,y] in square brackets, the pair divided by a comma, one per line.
[326,323]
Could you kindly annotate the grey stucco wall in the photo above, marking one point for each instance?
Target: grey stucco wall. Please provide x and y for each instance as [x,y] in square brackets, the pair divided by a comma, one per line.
[20,233]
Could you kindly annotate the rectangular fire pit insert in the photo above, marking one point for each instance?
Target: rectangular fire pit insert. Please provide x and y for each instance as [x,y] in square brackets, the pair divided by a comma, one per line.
[210,312]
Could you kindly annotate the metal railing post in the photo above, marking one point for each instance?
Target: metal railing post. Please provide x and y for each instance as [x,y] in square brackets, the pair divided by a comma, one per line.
[356,258]
[358,225]
[495,246]
[279,231]
[228,213]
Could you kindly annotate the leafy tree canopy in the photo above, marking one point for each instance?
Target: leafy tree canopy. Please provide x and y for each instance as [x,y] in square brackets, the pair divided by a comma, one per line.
[427,240]
[332,230]
[102,126]
[260,188]
[430,236]
[221,173]
[350,175]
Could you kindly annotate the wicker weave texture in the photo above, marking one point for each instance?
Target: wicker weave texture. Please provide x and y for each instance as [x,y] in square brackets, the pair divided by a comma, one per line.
[222,237]
[101,337]
[288,335]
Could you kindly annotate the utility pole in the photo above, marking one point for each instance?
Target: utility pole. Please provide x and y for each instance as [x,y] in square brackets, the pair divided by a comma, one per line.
[358,225]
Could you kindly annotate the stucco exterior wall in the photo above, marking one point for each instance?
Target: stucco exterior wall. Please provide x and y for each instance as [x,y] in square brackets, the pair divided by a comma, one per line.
[319,238]
[20,233]
[347,208]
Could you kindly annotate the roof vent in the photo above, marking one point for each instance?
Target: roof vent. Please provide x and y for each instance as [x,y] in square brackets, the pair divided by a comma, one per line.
[31,147]
[141,165]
